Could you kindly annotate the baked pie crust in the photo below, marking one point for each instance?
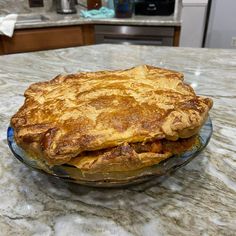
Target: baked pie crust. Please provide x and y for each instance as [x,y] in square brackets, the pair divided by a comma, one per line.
[97,121]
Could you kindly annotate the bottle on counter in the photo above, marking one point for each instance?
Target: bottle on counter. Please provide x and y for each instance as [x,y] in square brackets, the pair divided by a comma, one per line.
[94,4]
[124,8]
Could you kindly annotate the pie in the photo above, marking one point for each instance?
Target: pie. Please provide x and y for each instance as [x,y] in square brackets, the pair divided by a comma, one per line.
[110,121]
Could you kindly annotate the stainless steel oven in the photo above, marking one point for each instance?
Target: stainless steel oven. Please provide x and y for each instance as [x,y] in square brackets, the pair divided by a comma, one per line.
[141,35]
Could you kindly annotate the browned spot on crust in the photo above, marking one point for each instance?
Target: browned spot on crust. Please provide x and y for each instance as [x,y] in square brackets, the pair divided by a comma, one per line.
[48,138]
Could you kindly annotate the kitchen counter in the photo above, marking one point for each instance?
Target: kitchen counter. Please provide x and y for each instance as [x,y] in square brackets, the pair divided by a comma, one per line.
[47,17]
[199,199]
[51,19]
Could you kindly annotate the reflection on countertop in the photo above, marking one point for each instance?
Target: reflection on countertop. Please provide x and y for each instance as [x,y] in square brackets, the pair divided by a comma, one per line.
[199,199]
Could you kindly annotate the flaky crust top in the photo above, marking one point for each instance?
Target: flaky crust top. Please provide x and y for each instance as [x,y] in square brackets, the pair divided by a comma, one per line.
[95,110]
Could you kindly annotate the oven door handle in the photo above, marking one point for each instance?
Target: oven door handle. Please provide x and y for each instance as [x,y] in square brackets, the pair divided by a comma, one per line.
[133,40]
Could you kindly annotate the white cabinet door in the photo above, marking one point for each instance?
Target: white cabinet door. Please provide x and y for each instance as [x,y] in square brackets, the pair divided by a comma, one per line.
[193,22]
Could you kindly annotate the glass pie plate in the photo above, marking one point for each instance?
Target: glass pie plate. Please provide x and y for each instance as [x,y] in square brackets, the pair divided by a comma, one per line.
[113,179]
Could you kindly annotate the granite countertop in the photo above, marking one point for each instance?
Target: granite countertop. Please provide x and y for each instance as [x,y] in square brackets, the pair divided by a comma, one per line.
[47,17]
[51,18]
[199,199]
[54,19]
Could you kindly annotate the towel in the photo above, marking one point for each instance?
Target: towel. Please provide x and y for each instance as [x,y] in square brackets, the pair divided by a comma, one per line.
[7,24]
[103,12]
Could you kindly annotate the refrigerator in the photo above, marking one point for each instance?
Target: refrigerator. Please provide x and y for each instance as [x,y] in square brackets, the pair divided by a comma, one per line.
[220,30]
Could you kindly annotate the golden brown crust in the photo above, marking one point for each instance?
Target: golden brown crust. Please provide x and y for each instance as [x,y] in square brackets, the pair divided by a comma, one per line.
[95,110]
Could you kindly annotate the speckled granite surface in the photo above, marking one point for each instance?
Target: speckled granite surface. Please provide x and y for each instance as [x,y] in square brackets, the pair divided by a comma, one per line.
[54,19]
[199,199]
[51,18]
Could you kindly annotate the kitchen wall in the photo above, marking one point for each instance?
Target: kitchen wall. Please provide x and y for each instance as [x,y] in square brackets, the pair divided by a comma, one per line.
[22,6]
[222,24]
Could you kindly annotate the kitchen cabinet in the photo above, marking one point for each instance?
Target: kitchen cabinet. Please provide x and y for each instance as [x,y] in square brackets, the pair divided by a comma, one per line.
[28,40]
[193,17]
[37,39]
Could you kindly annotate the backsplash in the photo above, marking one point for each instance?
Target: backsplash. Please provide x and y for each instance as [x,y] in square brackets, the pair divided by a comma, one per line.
[22,7]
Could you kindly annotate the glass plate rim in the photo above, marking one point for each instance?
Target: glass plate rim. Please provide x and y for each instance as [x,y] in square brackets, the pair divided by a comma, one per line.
[108,182]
